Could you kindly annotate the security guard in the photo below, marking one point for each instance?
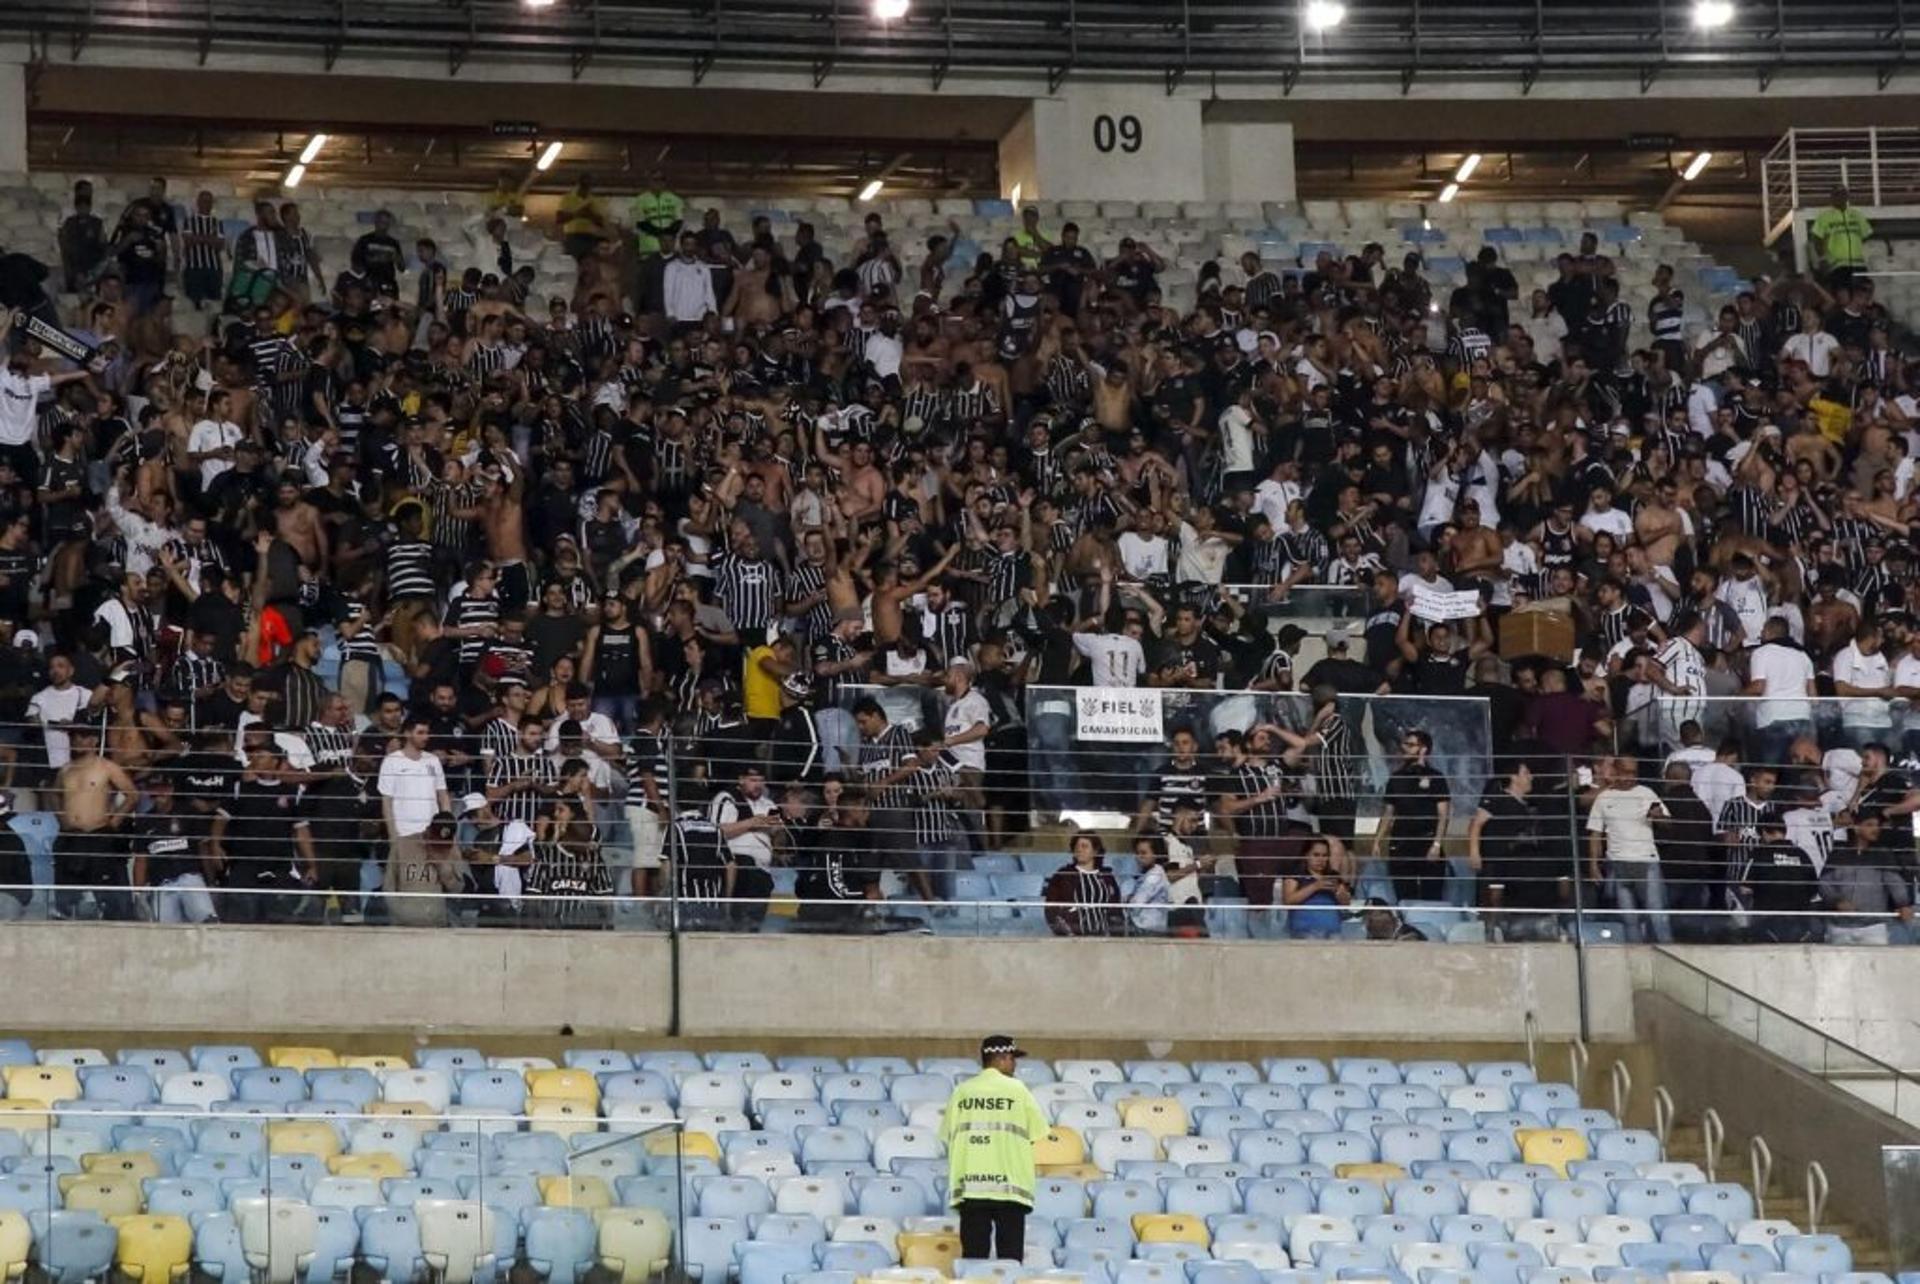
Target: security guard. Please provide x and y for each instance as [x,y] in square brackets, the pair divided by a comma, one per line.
[990,1128]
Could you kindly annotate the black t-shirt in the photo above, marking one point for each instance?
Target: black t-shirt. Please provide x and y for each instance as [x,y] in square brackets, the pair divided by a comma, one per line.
[1201,653]
[16,868]
[1782,879]
[202,784]
[1348,677]
[220,615]
[836,864]
[1509,847]
[261,818]
[553,636]
[379,256]
[143,257]
[220,710]
[1416,792]
[616,660]
[1438,675]
[166,839]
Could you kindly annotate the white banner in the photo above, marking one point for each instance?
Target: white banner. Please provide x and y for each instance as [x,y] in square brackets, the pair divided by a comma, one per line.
[1118,713]
[1429,605]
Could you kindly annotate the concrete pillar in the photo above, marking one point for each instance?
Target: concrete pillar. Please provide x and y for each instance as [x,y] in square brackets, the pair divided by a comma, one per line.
[1249,161]
[13,118]
[1098,143]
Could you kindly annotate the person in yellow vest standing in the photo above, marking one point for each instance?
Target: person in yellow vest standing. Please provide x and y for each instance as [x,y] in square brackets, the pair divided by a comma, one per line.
[1840,235]
[991,1126]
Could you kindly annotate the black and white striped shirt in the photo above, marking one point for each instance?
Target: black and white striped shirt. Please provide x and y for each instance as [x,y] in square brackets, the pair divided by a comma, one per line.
[486,359]
[1093,895]
[646,756]
[199,256]
[881,757]
[804,581]
[1262,820]
[331,747]
[697,854]
[465,611]
[831,649]
[968,406]
[452,529]
[934,818]
[748,590]
[192,672]
[409,566]
[1741,818]
[1336,772]
[538,766]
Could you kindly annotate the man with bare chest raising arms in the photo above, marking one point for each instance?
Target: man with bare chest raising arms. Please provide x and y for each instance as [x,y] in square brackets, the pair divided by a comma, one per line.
[96,797]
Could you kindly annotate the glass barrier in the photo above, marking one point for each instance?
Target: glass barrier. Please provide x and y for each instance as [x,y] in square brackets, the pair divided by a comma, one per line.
[158,1167]
[1800,1044]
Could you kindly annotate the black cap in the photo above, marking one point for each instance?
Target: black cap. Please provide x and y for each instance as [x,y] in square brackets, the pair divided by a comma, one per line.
[1000,1045]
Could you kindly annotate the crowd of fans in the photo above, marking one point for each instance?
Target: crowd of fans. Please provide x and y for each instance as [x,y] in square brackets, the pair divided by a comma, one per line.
[441,577]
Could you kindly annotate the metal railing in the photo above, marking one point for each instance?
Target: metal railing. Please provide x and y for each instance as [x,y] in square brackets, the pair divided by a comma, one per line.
[1879,166]
[1876,1082]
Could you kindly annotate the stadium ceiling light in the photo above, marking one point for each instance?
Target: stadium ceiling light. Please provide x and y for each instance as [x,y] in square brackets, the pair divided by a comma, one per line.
[1324,15]
[1467,166]
[1710,15]
[1696,166]
[1448,192]
[871,190]
[548,157]
[294,176]
[889,10]
[312,149]
[538,4]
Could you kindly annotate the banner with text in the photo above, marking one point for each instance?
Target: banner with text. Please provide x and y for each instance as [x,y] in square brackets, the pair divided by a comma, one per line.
[1118,713]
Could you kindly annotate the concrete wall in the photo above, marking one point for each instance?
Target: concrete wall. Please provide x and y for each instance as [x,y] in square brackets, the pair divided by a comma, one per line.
[1101,143]
[13,118]
[108,977]
[1249,162]
[1863,997]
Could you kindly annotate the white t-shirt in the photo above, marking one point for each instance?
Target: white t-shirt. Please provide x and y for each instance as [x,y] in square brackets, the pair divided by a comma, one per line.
[414,785]
[1717,784]
[597,726]
[1685,667]
[1868,671]
[1624,816]
[209,435]
[1270,500]
[1811,830]
[1143,556]
[756,845]
[1748,599]
[962,715]
[1613,522]
[1783,672]
[1815,349]
[1114,659]
[19,406]
[52,707]
[1236,440]
[1203,558]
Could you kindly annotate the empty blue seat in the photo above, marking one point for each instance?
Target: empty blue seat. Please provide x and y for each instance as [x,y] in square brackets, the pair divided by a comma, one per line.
[1541,1098]
[1661,1257]
[1198,1197]
[1728,1201]
[1223,1273]
[1571,1200]
[1629,1145]
[731,1197]
[636,1085]
[1123,1199]
[344,1083]
[1341,1257]
[503,1091]
[1336,1148]
[1454,1170]
[1647,1199]
[182,1196]
[1269,1146]
[561,1245]
[336,1245]
[1503,1263]
[156,1138]
[1350,1198]
[771,1263]
[1271,1096]
[1509,1073]
[868,1116]
[1408,1097]
[119,1085]
[513,1195]
[1277,1198]
[1097,1232]
[1386,1230]
[896,1197]
[1481,1147]
[225,1057]
[1427,1198]
[1195,1097]
[1220,1123]
[72,1246]
[1743,1259]
[1471,1228]
[1695,1229]
[1814,1254]
[1297,1071]
[390,1242]
[862,1257]
[270,1085]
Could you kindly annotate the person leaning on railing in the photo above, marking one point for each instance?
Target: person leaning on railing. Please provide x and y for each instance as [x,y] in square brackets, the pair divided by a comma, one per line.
[1083,896]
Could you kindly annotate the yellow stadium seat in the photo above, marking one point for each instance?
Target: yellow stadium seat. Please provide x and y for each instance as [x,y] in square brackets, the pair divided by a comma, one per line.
[381,1165]
[689,1143]
[377,1061]
[109,1196]
[565,1085]
[137,1164]
[401,1109]
[23,1116]
[302,1137]
[298,1057]
[1162,1116]
[560,1115]
[44,1084]
[1554,1147]
[16,1243]
[635,1243]
[1060,1148]
[1381,1173]
[1078,1172]
[935,1250]
[153,1250]
[1169,1228]
[577,1191]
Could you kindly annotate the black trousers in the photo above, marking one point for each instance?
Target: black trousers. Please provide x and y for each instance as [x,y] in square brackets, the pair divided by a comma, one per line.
[991,1228]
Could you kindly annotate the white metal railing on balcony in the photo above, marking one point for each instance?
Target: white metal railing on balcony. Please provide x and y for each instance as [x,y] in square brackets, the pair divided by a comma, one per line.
[1877,166]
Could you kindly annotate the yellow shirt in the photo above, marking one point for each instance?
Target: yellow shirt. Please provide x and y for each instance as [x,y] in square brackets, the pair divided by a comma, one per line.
[1843,236]
[582,215]
[759,690]
[1832,418]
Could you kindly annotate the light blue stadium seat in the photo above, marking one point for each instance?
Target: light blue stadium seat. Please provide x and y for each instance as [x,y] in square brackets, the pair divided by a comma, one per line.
[1155,1172]
[1661,1257]
[467,1141]
[1220,1123]
[880,1066]
[336,1244]
[448,1165]
[1300,1072]
[1231,1073]
[1178,1256]
[1096,1232]
[214,1168]
[1118,1094]
[1277,1198]
[819,1145]
[224,1057]
[1814,1254]
[128,1086]
[1433,1074]
[1503,1263]
[217,1249]
[852,1087]
[763,1263]
[158,1062]
[1301,1122]
[1582,1121]
[636,1085]
[598,1060]
[1266,1097]
[1454,1170]
[1269,1146]
[1336,1148]
[1571,1200]
[735,1198]
[1443,1119]
[1367,1071]
[1695,1229]
[1526,1174]
[672,1062]
[862,1257]
[786,1228]
[561,1245]
[344,1083]
[1332,1098]
[1204,1096]
[1507,1073]
[1294,1277]
[390,1242]
[1244,1228]
[547,1146]
[1123,1199]
[345,1192]
[1059,1197]
[1386,1230]
[1743,1259]
[499,1090]
[1647,1199]
[1407,1097]
[1197,1197]
[163,1138]
[1368,1119]
[1728,1201]
[1557,1275]
[1409,1144]
[739,1062]
[1342,1257]
[1604,1171]
[868,1116]
[72,1246]
[1482,1147]
[1222,1273]
[1629,1145]
[791,1116]
[405,1192]
[1308,1173]
[512,1195]
[270,1085]
[182,1197]
[909,1090]
[895,1197]
[1471,1228]
[1427,1198]
[1350,1198]
[1542,1098]
[1226,1170]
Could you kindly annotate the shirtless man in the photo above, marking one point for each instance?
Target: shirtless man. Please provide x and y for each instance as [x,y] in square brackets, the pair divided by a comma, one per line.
[891,591]
[863,487]
[1113,399]
[96,797]
[297,523]
[1658,525]
[1477,552]
[503,517]
[761,293]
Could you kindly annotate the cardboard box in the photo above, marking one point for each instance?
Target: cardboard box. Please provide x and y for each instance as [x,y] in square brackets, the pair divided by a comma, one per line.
[1526,634]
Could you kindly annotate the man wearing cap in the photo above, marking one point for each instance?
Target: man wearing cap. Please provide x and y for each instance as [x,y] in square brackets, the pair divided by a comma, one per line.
[794,750]
[990,1128]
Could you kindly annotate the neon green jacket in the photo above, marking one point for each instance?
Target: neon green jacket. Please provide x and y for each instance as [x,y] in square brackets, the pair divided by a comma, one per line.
[990,1128]
[656,220]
